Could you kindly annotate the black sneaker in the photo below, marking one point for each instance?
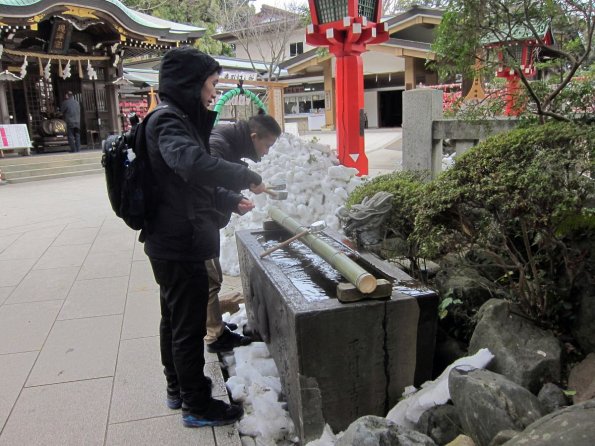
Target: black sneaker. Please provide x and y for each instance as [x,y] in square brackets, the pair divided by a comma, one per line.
[231,326]
[218,413]
[227,342]
[174,400]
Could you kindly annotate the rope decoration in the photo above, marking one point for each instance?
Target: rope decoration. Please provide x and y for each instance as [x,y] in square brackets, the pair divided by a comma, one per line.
[91,74]
[24,68]
[66,72]
[47,74]
[235,92]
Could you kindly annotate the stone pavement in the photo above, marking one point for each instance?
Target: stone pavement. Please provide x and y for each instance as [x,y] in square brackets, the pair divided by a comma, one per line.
[79,325]
[383,148]
[79,320]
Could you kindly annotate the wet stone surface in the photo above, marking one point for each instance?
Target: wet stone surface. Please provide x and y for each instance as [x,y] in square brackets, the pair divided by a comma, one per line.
[309,273]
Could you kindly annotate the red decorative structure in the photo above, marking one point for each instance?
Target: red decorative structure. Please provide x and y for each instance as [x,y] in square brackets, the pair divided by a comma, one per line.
[346,27]
[524,48]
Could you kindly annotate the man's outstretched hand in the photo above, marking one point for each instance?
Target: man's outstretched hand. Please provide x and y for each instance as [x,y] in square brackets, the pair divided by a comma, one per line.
[245,206]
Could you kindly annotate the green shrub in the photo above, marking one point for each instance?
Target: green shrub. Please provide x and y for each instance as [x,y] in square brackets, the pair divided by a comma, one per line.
[527,198]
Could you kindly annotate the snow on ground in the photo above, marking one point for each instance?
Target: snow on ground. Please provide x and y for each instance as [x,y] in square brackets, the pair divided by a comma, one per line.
[316,185]
[254,381]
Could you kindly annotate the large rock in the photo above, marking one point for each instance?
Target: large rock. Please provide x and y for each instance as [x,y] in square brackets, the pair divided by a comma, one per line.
[552,398]
[572,426]
[524,353]
[440,423]
[466,284]
[462,440]
[582,379]
[376,431]
[488,403]
[502,437]
[487,263]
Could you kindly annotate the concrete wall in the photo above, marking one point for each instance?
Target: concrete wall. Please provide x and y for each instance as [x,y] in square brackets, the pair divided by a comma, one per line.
[371,108]
[424,131]
[261,50]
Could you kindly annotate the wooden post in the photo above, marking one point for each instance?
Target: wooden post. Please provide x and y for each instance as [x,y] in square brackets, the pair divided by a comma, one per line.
[4,114]
[409,73]
[329,94]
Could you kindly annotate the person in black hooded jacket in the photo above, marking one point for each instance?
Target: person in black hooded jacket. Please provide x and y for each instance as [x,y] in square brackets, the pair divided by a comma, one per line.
[194,190]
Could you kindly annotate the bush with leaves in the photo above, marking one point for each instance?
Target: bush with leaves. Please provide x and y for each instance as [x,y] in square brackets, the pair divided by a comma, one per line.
[528,199]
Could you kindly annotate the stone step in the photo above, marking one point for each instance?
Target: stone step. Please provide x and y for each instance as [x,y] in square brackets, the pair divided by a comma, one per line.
[20,169]
[54,169]
[47,158]
[55,176]
[43,164]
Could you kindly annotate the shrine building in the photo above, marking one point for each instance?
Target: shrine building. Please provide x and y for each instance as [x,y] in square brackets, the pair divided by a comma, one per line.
[49,48]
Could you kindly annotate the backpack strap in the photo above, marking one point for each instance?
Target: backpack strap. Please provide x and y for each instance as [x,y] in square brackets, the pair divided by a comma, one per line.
[139,136]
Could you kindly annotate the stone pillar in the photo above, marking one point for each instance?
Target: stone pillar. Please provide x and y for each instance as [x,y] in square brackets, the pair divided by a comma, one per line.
[420,150]
[329,94]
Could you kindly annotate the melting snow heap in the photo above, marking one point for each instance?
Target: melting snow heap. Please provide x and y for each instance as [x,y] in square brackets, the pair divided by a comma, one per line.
[317,185]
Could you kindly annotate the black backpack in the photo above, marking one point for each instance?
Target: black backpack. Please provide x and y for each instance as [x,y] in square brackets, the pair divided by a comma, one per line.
[131,187]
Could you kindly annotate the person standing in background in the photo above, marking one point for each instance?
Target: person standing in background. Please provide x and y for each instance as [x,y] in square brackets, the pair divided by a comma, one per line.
[71,111]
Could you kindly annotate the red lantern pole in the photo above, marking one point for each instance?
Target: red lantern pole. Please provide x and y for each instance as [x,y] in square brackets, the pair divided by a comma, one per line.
[350,105]
[347,38]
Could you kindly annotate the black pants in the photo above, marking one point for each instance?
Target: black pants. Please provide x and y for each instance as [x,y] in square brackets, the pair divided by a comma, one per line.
[184,292]
[74,138]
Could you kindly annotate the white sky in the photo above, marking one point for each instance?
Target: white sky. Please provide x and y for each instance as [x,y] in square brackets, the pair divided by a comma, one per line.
[278,3]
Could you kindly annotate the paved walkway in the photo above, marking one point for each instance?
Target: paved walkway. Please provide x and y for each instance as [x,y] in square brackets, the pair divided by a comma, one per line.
[79,316]
[383,148]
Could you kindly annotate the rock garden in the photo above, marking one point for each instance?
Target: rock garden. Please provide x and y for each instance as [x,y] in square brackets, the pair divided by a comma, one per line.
[506,237]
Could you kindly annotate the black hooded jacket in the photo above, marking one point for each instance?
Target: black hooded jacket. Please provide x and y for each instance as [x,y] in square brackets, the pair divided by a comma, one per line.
[233,142]
[190,182]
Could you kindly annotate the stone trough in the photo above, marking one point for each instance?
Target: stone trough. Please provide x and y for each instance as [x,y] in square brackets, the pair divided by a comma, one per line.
[337,361]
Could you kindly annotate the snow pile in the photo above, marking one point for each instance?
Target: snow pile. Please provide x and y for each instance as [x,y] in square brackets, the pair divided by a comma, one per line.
[316,185]
[254,381]
[326,439]
[434,393]
[448,161]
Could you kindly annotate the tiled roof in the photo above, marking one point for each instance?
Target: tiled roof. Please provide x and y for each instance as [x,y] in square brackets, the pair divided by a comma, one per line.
[136,21]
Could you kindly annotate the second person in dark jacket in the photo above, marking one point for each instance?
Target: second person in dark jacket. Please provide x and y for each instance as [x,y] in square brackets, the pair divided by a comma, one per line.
[245,139]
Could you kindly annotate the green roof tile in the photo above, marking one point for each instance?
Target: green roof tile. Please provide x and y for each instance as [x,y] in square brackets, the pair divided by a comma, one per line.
[138,17]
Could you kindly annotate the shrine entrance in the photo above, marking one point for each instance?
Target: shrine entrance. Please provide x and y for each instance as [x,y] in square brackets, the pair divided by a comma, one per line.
[48,48]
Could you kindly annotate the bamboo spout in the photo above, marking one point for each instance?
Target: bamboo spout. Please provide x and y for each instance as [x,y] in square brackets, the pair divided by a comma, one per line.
[355,274]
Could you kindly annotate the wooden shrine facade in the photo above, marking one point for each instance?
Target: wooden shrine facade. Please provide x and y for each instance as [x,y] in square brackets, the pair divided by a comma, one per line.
[48,48]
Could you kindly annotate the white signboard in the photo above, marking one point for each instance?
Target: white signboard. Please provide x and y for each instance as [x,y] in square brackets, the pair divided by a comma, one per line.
[239,75]
[14,137]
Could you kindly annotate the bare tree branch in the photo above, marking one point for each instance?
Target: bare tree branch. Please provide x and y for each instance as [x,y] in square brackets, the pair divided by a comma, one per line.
[264,37]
